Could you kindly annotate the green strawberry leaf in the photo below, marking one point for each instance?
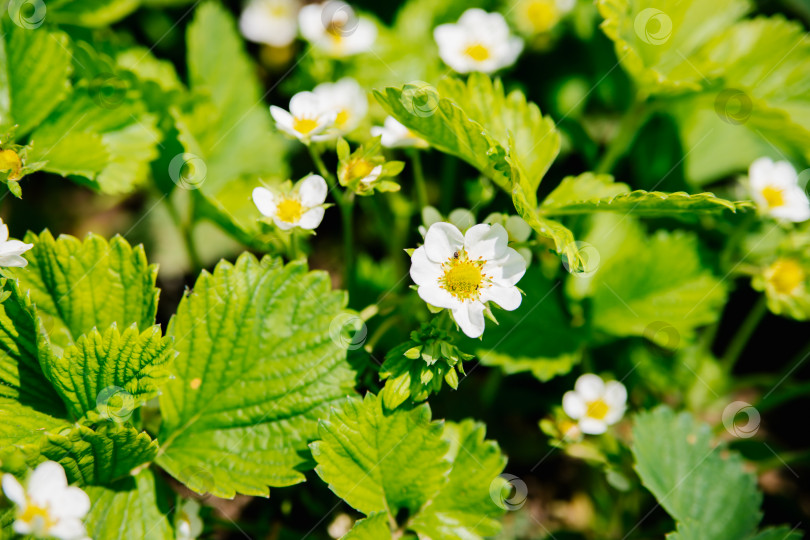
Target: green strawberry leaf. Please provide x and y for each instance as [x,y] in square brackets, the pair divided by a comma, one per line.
[136,507]
[35,65]
[402,461]
[80,285]
[93,13]
[374,527]
[257,366]
[129,366]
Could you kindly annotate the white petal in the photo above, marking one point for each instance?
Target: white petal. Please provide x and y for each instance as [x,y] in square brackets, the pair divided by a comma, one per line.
[71,502]
[309,20]
[614,414]
[615,394]
[470,318]
[305,105]
[312,218]
[265,201]
[47,478]
[423,270]
[783,174]
[507,271]
[589,387]
[362,38]
[486,242]
[284,225]
[436,296]
[507,298]
[373,175]
[518,229]
[592,426]
[313,190]
[13,261]
[258,24]
[284,120]
[14,490]
[14,247]
[442,241]
[573,405]
[68,529]
[3,231]
[22,527]
[759,173]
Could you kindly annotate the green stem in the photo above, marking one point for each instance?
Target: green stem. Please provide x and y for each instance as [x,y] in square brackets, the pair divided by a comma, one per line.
[186,228]
[744,333]
[631,122]
[294,253]
[448,183]
[419,178]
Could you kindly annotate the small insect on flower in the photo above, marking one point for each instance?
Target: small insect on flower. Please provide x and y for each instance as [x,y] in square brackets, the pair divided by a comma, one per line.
[11,250]
[334,28]
[396,135]
[776,190]
[464,272]
[479,41]
[595,404]
[300,206]
[272,22]
[47,507]
[307,119]
[347,100]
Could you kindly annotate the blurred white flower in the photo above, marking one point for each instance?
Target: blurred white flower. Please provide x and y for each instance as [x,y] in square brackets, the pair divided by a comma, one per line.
[347,100]
[395,135]
[479,41]
[538,16]
[11,250]
[188,524]
[335,28]
[301,206]
[47,507]
[273,22]
[785,278]
[595,404]
[464,272]
[307,119]
[775,188]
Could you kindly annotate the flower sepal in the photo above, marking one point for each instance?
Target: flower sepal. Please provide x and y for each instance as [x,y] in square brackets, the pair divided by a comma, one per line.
[366,170]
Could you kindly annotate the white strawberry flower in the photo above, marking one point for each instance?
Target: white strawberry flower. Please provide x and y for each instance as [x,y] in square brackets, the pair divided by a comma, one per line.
[595,404]
[47,507]
[479,41]
[302,206]
[335,28]
[464,272]
[11,250]
[538,16]
[776,190]
[347,100]
[272,22]
[396,135]
[307,119]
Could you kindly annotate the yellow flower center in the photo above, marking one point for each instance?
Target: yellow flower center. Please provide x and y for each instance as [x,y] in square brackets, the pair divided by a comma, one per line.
[38,517]
[289,210]
[10,161]
[597,409]
[304,126]
[785,276]
[773,196]
[359,168]
[342,117]
[477,52]
[278,10]
[463,278]
[542,14]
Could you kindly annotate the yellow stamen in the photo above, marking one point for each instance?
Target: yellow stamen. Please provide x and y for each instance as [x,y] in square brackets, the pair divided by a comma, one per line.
[289,210]
[38,517]
[304,126]
[773,196]
[477,52]
[463,278]
[10,161]
[359,168]
[542,14]
[597,409]
[342,117]
[785,276]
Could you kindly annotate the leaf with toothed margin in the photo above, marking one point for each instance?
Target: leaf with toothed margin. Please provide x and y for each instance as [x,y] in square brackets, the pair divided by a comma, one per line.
[131,364]
[704,487]
[136,507]
[374,527]
[79,285]
[257,366]
[401,461]
[21,376]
